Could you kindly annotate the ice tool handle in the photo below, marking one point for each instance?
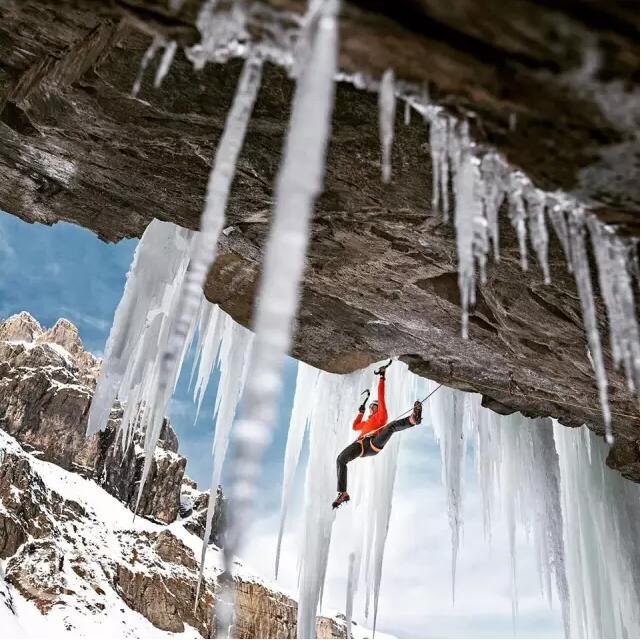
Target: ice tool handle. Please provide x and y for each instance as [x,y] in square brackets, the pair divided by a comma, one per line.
[361,409]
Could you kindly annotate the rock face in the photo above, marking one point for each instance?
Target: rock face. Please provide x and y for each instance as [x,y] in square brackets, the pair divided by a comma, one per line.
[193,511]
[76,552]
[552,86]
[79,551]
[47,381]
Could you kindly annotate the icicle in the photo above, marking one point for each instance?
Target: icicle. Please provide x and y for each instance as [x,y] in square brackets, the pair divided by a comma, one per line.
[510,469]
[148,56]
[517,213]
[165,63]
[471,234]
[306,379]
[298,184]
[206,353]
[601,532]
[458,144]
[581,269]
[537,227]
[203,250]
[617,293]
[488,465]
[492,173]
[234,354]
[204,315]
[446,416]
[386,118]
[407,114]
[440,165]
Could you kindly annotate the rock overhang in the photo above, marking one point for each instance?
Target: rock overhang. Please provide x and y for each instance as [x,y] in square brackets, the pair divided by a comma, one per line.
[382,274]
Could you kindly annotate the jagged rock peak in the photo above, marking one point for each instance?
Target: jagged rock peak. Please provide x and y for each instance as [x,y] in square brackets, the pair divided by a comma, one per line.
[20,326]
[64,334]
[63,338]
[50,368]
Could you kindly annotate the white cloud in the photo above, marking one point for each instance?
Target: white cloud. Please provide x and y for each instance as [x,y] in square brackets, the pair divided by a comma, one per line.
[7,252]
[76,316]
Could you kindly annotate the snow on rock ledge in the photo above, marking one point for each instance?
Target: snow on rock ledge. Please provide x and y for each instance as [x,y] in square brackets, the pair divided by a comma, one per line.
[47,381]
[77,564]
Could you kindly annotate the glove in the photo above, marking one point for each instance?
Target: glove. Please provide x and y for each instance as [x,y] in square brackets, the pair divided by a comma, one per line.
[361,409]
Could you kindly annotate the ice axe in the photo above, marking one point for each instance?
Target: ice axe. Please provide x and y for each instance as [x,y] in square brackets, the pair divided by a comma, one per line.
[365,393]
[381,370]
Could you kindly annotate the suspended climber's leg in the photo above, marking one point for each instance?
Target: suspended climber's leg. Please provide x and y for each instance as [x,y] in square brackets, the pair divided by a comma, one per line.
[351,452]
[383,436]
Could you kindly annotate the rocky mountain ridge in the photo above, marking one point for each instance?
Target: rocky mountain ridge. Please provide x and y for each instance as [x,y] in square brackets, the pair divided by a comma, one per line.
[69,546]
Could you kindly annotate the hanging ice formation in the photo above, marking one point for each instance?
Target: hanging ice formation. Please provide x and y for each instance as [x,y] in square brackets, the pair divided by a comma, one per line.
[299,183]
[481,181]
[526,468]
[601,529]
[446,415]
[306,377]
[233,344]
[141,322]
[582,517]
[386,117]
[371,485]
[162,306]
[147,378]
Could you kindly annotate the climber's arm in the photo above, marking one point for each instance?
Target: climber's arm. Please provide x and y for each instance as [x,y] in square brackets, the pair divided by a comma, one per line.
[382,407]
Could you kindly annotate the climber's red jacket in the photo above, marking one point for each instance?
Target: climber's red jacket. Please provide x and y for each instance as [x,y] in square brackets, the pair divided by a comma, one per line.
[378,419]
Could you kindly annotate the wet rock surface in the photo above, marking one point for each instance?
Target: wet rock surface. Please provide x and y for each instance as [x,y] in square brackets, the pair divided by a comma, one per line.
[552,86]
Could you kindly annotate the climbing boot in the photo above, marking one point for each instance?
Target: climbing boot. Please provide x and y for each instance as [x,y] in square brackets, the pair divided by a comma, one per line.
[417,412]
[343,496]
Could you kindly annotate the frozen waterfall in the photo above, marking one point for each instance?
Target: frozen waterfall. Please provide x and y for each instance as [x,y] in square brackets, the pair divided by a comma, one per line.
[371,483]
[601,532]
[582,517]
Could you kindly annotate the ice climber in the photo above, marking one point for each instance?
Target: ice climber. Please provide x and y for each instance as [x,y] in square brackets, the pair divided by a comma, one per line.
[375,434]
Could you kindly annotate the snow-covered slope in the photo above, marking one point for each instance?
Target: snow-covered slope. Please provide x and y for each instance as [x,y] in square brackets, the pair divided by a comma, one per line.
[74,559]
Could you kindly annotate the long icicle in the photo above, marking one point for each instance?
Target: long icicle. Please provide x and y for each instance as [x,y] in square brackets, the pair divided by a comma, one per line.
[130,354]
[386,117]
[205,246]
[299,183]
[306,378]
[235,349]
[581,269]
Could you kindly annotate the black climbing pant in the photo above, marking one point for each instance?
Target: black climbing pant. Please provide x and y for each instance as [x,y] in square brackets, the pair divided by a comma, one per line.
[368,446]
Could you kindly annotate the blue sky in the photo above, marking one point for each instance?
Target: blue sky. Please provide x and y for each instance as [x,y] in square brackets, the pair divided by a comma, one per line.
[65,271]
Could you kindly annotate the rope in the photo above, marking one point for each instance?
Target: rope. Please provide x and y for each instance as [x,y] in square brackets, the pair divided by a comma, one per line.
[425,399]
